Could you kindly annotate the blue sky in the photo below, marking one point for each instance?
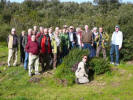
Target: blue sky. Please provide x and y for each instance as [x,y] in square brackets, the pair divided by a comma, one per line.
[79,1]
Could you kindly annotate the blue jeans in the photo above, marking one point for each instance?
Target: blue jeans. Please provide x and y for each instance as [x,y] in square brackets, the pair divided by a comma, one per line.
[114,48]
[91,49]
[26,60]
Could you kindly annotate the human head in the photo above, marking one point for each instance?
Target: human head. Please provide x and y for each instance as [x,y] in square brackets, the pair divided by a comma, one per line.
[33,38]
[117,28]
[35,28]
[29,31]
[50,30]
[95,29]
[13,31]
[77,29]
[100,29]
[57,29]
[41,29]
[71,28]
[86,27]
[23,33]
[84,58]
[65,26]
[45,31]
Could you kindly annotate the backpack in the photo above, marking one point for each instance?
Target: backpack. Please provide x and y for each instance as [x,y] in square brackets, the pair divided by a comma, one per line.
[75,67]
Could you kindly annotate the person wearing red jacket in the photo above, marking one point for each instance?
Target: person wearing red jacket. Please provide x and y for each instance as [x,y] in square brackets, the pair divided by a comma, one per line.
[33,49]
[45,50]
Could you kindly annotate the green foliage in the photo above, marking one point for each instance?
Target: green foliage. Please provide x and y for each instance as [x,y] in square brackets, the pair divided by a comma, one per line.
[47,13]
[64,71]
[99,65]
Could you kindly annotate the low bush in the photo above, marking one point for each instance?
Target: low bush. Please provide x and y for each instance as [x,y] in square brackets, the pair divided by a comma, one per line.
[99,65]
[63,71]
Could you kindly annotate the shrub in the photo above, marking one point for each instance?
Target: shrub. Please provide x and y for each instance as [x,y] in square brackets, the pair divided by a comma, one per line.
[99,65]
[63,71]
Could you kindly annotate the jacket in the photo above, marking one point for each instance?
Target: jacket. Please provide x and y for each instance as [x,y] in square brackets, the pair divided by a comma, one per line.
[46,44]
[104,36]
[12,41]
[87,37]
[32,47]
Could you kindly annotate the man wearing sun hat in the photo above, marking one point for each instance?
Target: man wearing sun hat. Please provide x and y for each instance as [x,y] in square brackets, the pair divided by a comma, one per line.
[116,45]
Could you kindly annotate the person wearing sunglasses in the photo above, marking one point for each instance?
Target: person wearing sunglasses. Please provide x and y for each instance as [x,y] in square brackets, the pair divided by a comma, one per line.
[81,75]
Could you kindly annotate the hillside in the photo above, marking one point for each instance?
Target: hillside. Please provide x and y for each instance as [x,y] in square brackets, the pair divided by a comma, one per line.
[15,84]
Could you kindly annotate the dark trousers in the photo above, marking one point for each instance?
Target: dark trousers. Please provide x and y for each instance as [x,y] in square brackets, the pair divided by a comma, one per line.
[22,55]
[45,59]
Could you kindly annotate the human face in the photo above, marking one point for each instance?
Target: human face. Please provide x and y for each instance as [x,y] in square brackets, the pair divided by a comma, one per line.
[46,31]
[13,31]
[86,27]
[41,29]
[116,29]
[100,30]
[84,59]
[35,28]
[33,38]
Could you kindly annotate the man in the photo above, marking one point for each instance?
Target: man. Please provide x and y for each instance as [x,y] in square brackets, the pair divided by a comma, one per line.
[116,45]
[39,34]
[72,37]
[33,49]
[87,41]
[27,38]
[22,53]
[12,47]
[45,50]
[81,75]
[101,40]
[35,30]
[65,44]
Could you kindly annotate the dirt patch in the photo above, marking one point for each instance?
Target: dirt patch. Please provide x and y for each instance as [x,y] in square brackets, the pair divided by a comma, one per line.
[35,79]
[130,62]
[96,83]
[116,84]
[2,64]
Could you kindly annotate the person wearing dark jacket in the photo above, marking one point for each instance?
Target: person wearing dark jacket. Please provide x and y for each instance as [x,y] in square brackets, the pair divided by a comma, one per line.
[45,51]
[72,37]
[12,47]
[32,48]
[22,53]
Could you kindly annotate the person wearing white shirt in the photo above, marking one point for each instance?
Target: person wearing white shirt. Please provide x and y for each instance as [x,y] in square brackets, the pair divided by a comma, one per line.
[116,45]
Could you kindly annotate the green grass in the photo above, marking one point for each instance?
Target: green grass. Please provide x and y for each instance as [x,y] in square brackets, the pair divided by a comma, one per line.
[15,85]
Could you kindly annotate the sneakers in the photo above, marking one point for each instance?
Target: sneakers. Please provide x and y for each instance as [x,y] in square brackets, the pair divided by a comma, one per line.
[37,73]
[116,64]
[112,63]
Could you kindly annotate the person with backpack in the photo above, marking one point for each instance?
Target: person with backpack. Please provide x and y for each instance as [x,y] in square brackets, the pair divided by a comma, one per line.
[12,47]
[81,72]
[45,50]
[101,40]
[33,49]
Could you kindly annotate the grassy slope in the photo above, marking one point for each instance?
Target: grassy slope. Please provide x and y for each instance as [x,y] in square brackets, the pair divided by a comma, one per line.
[15,85]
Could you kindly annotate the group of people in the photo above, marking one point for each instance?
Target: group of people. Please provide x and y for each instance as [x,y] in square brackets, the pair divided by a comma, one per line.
[48,46]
